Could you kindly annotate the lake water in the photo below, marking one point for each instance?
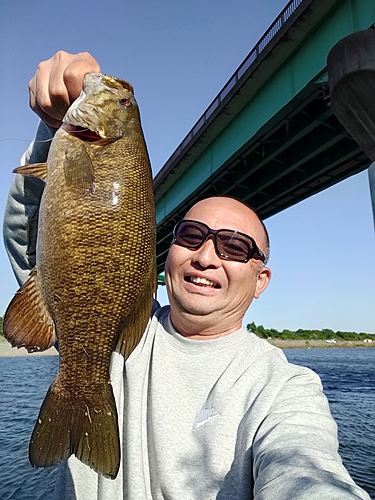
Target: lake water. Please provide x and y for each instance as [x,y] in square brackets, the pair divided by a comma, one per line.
[348,377]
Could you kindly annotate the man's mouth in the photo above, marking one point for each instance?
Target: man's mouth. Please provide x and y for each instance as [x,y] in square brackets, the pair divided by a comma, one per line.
[201,281]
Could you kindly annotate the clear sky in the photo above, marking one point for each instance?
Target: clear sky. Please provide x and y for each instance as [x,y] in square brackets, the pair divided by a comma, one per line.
[178,55]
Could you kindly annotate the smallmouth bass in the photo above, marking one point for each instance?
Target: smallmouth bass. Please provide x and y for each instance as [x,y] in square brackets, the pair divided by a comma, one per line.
[93,283]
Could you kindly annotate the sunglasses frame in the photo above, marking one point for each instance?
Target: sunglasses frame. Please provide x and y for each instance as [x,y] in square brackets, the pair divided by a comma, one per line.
[254,252]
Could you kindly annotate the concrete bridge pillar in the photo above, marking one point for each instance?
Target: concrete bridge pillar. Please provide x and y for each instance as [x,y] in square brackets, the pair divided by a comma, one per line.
[371,178]
[351,73]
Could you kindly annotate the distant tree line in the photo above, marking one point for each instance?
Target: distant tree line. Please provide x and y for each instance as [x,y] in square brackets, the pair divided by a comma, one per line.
[300,334]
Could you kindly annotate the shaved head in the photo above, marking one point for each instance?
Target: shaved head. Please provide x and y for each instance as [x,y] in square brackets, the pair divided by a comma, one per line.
[264,245]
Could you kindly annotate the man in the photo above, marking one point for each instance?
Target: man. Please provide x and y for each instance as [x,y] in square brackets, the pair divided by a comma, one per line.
[206,409]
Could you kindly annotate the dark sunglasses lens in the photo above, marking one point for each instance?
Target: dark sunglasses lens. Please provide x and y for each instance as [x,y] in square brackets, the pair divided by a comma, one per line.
[234,246]
[190,234]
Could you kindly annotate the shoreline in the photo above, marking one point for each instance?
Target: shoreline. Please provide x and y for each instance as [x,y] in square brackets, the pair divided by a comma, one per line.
[319,344]
[7,351]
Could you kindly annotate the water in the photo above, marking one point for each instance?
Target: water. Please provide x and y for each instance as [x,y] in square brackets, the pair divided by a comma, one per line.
[23,383]
[348,378]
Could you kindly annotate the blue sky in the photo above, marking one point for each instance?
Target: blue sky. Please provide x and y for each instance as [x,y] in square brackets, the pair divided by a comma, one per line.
[178,55]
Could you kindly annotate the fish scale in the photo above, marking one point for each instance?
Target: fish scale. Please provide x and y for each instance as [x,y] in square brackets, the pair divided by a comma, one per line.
[95,276]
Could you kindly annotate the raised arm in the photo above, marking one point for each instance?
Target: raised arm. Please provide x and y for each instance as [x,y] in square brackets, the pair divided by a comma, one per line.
[295,451]
[55,85]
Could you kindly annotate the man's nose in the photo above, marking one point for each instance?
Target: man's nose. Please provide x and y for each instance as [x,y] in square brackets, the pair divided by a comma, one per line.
[206,254]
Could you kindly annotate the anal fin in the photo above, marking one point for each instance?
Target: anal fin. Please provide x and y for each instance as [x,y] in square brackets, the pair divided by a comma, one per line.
[27,322]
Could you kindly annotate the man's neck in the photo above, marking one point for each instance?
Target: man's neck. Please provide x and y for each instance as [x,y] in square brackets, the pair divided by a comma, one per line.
[202,328]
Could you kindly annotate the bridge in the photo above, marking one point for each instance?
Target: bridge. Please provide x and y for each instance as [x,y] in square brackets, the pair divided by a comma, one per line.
[269,137]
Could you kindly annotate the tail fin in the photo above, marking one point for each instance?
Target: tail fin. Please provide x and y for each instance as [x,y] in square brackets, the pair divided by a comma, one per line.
[65,427]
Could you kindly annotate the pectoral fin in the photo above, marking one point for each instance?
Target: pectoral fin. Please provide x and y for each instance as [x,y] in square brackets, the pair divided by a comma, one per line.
[34,170]
[27,323]
[78,169]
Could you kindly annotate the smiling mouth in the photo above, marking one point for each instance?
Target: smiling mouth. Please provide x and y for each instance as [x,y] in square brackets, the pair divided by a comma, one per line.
[201,282]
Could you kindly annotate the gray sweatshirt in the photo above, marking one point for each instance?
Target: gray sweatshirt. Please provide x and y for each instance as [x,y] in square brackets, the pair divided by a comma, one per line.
[222,419]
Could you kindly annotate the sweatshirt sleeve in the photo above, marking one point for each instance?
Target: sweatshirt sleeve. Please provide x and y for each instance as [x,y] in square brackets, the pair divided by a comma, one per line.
[295,451]
[21,212]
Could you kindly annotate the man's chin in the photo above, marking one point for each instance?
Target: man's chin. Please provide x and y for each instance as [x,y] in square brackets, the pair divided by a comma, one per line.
[196,308]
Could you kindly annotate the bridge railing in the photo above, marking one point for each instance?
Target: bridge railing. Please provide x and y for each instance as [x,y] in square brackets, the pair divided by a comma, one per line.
[268,36]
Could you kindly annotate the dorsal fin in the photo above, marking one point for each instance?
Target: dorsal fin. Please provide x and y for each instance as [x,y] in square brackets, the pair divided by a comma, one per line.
[33,170]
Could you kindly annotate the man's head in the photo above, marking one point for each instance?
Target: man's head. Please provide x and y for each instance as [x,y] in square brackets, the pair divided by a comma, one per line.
[208,293]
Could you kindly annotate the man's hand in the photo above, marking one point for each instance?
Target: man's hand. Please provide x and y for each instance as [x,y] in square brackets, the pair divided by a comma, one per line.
[57,83]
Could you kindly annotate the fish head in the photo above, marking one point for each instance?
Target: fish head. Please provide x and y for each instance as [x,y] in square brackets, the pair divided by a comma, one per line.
[105,111]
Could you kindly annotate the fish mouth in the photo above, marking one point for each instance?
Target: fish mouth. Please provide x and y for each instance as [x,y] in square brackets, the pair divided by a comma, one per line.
[82,133]
[203,282]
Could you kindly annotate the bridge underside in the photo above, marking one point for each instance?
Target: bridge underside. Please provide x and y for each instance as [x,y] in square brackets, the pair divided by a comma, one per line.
[302,153]
[270,137]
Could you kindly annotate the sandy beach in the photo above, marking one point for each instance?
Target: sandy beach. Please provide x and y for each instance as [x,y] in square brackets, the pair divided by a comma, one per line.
[305,344]
[7,351]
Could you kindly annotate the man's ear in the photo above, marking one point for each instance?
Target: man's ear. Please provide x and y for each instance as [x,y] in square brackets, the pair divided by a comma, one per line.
[262,281]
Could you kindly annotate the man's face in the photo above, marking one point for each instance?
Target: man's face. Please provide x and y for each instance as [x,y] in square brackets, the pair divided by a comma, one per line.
[206,292]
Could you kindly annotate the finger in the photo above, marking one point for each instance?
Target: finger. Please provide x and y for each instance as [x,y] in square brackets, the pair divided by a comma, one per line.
[41,100]
[52,122]
[41,104]
[65,83]
[57,83]
[74,73]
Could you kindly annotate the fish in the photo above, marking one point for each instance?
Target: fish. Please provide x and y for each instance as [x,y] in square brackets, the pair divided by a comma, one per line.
[95,277]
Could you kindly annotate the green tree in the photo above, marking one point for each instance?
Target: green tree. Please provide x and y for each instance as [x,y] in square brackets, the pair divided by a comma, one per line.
[306,335]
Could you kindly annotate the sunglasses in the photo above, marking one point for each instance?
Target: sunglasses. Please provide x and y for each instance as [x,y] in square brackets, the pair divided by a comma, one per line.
[229,244]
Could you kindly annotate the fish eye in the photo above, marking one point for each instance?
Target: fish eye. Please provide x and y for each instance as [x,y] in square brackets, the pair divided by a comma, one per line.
[125,102]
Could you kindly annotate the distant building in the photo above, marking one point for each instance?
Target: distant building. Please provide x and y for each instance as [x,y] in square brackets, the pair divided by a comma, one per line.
[367,340]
